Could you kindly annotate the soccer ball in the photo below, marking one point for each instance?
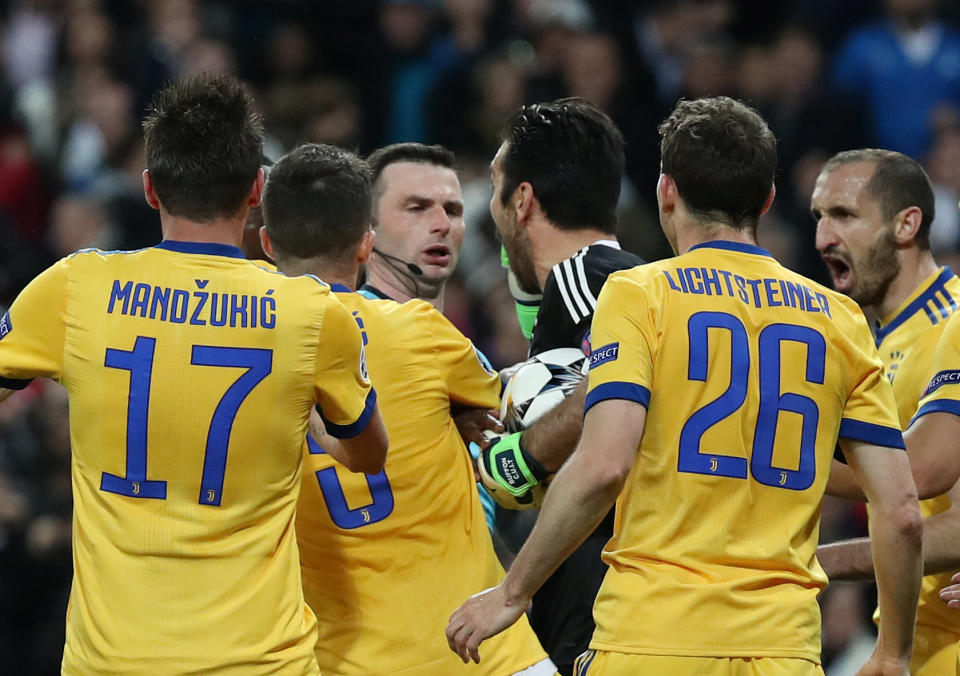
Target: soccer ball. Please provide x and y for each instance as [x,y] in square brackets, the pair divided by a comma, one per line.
[539,384]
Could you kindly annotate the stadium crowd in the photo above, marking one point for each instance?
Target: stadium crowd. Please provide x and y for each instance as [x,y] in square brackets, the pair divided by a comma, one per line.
[76,75]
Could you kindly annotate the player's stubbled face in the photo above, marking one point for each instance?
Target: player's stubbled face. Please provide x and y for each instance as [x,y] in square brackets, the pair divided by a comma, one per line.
[853,238]
[515,238]
[420,217]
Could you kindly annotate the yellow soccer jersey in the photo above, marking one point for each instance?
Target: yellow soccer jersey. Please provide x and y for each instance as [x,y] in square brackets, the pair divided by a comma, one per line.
[191,373]
[386,559]
[750,373]
[907,341]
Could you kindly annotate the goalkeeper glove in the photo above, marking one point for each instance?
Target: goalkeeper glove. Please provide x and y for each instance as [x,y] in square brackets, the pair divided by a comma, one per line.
[513,477]
[527,304]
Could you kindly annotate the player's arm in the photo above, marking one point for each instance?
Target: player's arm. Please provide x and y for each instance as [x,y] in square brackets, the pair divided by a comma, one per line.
[853,559]
[933,446]
[33,331]
[933,442]
[843,483]
[346,400]
[582,493]
[896,527]
[365,457]
[551,439]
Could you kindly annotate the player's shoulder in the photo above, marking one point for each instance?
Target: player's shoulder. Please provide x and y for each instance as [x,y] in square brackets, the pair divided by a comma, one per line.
[411,318]
[575,282]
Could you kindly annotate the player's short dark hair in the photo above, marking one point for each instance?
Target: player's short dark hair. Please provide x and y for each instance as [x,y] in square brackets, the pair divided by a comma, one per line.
[722,157]
[317,201]
[898,182]
[417,153]
[204,144]
[572,154]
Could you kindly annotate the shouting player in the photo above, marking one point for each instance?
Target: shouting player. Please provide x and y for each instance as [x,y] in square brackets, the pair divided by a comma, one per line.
[873,210]
[191,373]
[386,558]
[716,444]
[556,183]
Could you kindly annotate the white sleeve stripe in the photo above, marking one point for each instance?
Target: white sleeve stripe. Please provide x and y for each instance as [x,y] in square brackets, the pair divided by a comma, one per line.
[573,288]
[584,286]
[558,276]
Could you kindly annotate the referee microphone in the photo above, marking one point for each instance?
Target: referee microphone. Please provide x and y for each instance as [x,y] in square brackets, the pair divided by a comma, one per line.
[409,270]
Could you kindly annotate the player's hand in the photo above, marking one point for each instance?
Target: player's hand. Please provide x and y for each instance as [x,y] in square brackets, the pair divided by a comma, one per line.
[512,476]
[881,665]
[474,422]
[482,616]
[951,594]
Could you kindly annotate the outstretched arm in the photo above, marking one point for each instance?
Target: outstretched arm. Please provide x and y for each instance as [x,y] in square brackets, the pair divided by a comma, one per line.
[896,526]
[853,559]
[582,493]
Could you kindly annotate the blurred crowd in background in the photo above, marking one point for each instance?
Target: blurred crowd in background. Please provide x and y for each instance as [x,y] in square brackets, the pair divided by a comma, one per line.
[76,75]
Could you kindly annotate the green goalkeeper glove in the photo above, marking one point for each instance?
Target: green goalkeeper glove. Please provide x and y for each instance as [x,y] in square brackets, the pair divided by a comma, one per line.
[527,304]
[513,477]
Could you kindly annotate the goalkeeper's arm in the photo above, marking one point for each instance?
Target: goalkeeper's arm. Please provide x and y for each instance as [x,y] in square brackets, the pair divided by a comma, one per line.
[518,462]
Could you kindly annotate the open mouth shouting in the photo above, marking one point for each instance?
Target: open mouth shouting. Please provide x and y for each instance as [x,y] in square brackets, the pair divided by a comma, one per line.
[841,270]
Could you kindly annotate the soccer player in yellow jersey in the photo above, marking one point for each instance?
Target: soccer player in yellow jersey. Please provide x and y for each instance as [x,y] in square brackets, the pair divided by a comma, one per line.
[191,373]
[873,210]
[387,558]
[720,384]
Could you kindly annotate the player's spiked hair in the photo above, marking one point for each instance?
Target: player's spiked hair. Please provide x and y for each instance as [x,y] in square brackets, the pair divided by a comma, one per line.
[722,157]
[898,182]
[204,143]
[317,201]
[572,154]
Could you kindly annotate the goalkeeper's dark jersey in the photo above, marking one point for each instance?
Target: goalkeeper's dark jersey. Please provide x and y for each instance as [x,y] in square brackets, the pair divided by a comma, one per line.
[562,612]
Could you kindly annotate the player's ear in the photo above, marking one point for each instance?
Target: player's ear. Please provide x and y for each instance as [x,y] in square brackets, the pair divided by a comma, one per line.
[266,243]
[906,225]
[769,202]
[148,192]
[667,194]
[365,246]
[256,190]
[523,201]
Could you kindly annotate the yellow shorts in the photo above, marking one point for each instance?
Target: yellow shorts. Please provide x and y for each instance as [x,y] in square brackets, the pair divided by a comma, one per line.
[602,663]
[934,652]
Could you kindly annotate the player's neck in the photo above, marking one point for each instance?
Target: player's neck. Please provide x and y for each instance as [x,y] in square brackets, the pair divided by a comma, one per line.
[690,235]
[317,267]
[555,245]
[401,287]
[915,267]
[218,231]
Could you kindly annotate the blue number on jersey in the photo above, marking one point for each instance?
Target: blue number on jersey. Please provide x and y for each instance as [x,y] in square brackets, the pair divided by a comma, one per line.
[691,459]
[381,494]
[772,401]
[259,363]
[139,362]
